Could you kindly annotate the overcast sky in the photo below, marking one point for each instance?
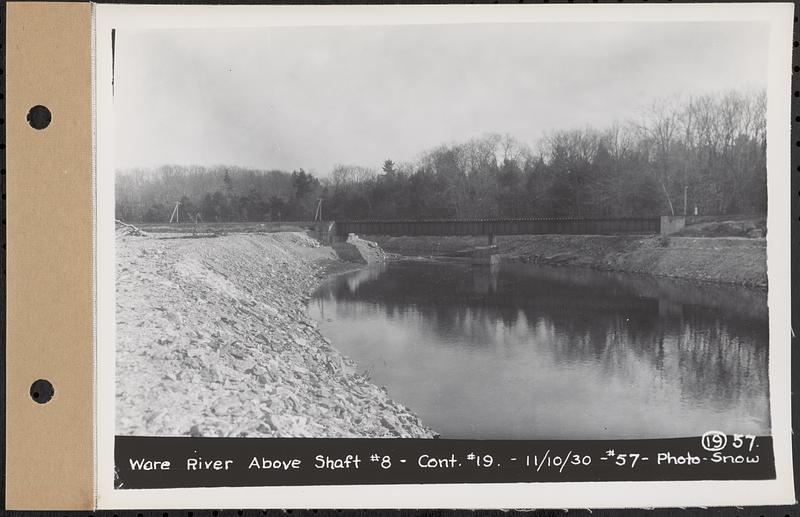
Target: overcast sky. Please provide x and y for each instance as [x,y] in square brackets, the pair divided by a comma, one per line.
[285,98]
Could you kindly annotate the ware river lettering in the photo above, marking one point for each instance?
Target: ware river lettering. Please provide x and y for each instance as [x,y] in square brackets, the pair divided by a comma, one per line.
[261,463]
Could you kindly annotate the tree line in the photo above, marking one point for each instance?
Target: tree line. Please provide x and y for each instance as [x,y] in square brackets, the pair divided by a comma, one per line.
[706,151]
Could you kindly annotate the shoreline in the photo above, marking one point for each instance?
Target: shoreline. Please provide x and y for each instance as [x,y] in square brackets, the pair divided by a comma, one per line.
[713,260]
[587,268]
[643,274]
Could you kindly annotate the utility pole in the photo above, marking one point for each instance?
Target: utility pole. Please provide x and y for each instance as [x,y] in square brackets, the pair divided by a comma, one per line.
[175,213]
[318,214]
[685,195]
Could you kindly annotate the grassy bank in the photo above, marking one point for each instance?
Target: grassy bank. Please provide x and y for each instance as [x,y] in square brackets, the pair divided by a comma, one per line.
[213,339]
[731,260]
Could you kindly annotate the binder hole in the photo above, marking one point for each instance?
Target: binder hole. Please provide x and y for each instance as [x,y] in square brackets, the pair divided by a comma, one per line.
[42,391]
[39,117]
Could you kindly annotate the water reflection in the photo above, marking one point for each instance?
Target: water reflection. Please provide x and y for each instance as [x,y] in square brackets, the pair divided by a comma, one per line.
[519,351]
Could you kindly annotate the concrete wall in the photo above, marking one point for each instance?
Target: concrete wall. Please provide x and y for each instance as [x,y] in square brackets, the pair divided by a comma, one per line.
[348,252]
[672,223]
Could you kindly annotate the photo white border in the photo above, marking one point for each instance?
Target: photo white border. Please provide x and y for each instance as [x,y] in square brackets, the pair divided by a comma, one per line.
[489,495]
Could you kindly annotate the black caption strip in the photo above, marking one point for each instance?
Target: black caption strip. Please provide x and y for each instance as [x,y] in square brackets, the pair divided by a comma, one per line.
[152,462]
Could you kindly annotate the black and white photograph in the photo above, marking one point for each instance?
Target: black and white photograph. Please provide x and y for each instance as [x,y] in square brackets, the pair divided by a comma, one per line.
[474,231]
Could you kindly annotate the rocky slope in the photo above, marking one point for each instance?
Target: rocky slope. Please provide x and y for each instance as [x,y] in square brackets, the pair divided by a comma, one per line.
[213,340]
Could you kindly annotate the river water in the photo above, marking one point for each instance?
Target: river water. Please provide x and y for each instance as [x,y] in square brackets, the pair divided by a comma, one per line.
[530,352]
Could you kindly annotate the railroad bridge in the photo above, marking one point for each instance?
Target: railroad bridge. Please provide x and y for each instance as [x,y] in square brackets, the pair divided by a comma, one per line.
[532,226]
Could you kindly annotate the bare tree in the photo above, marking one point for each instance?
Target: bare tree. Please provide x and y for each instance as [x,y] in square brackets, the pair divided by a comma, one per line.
[659,129]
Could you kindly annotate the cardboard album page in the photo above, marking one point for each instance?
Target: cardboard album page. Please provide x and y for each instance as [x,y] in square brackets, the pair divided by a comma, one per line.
[49,325]
[523,256]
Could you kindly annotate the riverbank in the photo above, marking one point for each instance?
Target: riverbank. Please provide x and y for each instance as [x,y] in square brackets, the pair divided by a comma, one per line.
[730,260]
[213,339]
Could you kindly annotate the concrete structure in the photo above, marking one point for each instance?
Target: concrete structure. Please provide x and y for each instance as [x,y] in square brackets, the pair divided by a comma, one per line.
[672,223]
